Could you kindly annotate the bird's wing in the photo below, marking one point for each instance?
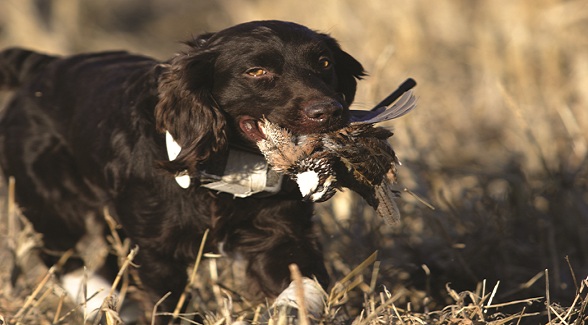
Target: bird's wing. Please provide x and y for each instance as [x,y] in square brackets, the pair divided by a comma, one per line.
[403,105]
[387,208]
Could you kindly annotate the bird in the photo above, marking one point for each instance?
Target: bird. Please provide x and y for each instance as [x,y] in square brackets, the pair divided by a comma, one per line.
[357,156]
[301,158]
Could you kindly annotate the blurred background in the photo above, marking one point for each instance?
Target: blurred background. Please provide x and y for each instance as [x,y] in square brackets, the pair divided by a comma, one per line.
[497,145]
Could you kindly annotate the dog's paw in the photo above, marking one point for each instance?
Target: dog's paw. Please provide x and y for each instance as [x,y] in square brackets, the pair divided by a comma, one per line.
[287,304]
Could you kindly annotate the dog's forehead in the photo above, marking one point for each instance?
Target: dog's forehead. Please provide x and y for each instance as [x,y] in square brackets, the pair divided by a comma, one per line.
[270,34]
[269,47]
[268,26]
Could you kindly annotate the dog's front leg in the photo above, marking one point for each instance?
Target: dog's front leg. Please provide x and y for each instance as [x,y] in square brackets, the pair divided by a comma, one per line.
[161,275]
[272,239]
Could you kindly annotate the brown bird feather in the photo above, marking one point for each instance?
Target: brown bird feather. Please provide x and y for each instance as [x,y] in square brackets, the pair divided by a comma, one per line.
[281,149]
[365,162]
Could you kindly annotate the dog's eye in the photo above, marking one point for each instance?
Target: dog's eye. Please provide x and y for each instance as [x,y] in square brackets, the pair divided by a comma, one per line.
[325,63]
[256,72]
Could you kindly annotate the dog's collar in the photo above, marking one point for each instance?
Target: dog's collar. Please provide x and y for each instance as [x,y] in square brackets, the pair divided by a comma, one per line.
[245,173]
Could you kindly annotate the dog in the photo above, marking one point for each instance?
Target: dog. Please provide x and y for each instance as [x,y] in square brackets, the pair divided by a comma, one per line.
[88,131]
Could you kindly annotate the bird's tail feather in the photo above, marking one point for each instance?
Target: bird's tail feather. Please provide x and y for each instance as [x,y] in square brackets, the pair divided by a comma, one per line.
[387,208]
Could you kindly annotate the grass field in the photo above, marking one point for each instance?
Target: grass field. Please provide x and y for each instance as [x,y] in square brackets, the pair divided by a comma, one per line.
[497,147]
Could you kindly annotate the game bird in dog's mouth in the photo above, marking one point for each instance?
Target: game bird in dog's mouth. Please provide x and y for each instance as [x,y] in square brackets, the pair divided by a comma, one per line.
[357,157]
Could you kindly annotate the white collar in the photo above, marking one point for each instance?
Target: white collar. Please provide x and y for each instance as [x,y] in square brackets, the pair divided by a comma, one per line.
[245,173]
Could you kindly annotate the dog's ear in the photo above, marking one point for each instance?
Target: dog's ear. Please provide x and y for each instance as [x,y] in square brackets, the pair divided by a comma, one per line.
[187,110]
[347,69]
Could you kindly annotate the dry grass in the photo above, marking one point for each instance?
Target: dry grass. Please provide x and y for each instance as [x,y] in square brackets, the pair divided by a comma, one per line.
[498,145]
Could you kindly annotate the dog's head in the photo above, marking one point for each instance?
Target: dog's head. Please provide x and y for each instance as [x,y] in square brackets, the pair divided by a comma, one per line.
[227,81]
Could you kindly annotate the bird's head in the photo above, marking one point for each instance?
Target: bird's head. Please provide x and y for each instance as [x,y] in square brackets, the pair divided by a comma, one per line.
[316,179]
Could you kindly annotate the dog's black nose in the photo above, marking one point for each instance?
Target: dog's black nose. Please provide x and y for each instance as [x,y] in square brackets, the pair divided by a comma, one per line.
[323,110]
